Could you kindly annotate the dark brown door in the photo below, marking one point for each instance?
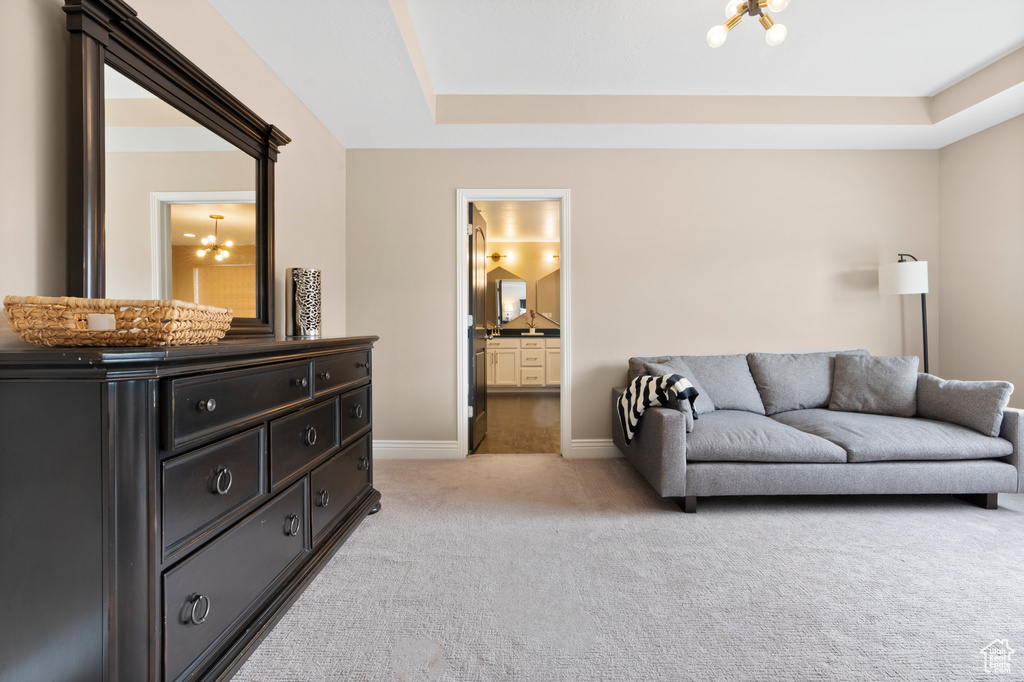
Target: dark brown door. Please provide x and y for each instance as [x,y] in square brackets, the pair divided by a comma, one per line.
[478,329]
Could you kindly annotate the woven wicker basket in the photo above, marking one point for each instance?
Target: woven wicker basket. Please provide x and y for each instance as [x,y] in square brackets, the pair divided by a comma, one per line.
[63,321]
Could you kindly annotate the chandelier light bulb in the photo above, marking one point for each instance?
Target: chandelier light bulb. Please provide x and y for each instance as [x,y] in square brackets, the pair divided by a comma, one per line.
[717,35]
[229,243]
[778,5]
[775,35]
[201,252]
[732,7]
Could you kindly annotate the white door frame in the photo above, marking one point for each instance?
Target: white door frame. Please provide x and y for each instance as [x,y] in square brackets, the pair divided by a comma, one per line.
[463,199]
[160,228]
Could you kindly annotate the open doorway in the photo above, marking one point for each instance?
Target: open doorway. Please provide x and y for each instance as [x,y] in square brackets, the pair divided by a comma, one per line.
[514,248]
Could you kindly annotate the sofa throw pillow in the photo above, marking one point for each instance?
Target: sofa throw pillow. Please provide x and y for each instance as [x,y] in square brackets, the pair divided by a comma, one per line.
[727,380]
[794,381]
[674,365]
[977,405]
[636,365]
[875,384]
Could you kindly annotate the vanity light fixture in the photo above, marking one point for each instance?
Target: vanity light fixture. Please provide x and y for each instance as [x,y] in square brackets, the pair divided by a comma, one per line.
[212,245]
[497,256]
[734,11]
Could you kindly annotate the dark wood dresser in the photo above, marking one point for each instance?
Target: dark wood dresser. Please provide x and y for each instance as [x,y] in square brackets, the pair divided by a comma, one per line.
[160,509]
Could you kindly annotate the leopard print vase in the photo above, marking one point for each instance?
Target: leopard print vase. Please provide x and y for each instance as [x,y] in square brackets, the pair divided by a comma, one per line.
[304,302]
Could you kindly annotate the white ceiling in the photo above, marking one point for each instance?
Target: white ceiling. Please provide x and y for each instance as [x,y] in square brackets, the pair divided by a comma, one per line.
[348,62]
[521,221]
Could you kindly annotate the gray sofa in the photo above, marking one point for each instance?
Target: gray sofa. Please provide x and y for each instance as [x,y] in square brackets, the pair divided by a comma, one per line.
[842,422]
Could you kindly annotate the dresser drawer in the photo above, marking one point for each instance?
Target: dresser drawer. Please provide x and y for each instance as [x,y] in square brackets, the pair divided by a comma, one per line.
[201,406]
[355,412]
[336,483]
[531,376]
[302,438]
[531,344]
[531,358]
[336,371]
[207,595]
[205,486]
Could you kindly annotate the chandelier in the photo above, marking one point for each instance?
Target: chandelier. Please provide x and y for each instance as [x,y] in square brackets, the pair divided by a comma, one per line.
[219,251]
[734,11]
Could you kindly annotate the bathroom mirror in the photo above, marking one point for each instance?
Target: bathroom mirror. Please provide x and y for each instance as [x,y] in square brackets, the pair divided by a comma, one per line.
[178,110]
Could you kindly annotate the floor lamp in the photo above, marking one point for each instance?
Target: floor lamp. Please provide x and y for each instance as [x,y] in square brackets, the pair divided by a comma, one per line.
[907,277]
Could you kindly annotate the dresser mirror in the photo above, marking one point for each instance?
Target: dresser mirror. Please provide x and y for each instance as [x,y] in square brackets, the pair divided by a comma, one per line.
[159,151]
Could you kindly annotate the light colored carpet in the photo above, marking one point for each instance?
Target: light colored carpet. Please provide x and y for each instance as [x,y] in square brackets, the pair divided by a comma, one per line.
[531,567]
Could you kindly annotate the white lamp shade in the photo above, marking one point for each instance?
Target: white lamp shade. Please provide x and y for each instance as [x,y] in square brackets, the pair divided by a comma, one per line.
[908,277]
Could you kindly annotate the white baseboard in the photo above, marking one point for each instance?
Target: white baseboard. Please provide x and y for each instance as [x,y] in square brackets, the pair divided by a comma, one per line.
[416,449]
[582,448]
[594,448]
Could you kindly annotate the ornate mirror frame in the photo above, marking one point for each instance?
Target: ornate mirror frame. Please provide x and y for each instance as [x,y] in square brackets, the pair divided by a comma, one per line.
[109,32]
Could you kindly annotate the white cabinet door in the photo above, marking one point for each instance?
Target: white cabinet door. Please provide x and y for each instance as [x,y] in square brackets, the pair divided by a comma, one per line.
[490,366]
[552,366]
[506,367]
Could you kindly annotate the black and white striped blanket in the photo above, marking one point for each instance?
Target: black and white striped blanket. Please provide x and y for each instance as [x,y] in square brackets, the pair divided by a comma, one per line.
[650,391]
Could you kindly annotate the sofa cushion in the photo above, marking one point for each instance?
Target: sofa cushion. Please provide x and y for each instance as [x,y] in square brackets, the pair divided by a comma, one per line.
[876,438]
[875,384]
[794,381]
[675,365]
[739,436]
[977,405]
[727,380]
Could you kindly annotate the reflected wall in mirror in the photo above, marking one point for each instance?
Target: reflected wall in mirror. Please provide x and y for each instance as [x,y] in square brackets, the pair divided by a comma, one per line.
[163,171]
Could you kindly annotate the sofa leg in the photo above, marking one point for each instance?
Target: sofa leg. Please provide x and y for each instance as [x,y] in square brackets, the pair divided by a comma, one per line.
[983,500]
[688,504]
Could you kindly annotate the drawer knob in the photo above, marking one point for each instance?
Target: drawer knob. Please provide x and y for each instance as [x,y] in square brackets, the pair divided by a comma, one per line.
[364,365]
[309,437]
[326,376]
[303,382]
[291,527]
[322,498]
[222,481]
[200,609]
[208,405]
[356,411]
[364,463]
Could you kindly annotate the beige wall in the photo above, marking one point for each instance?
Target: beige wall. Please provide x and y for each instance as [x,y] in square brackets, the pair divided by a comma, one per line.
[671,252]
[981,233]
[310,215]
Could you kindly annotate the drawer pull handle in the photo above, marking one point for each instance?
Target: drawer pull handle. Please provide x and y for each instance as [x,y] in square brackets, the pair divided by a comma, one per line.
[309,437]
[208,405]
[322,498]
[291,528]
[356,411]
[364,365]
[222,481]
[326,376]
[303,382]
[364,463]
[194,616]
